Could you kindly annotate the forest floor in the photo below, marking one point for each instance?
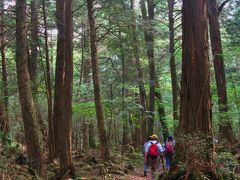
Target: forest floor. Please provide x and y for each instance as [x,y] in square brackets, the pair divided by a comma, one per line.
[128,167]
[137,174]
[86,168]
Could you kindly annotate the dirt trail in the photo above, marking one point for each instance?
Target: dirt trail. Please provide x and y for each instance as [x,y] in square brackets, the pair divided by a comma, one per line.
[137,174]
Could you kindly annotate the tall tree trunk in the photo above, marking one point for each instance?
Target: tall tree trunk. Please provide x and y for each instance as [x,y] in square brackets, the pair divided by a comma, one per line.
[5,124]
[137,131]
[85,125]
[195,123]
[225,128]
[66,166]
[142,92]
[149,38]
[33,45]
[123,106]
[59,76]
[48,88]
[161,113]
[86,70]
[25,93]
[172,59]
[104,148]
[33,61]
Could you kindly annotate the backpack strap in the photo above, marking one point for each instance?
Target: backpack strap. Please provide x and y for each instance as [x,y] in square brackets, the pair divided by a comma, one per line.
[154,143]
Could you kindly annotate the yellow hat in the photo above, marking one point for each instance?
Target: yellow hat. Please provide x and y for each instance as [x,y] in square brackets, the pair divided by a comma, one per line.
[154,136]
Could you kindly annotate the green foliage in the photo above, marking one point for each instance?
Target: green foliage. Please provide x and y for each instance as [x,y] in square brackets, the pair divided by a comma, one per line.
[86,109]
[9,148]
[227,164]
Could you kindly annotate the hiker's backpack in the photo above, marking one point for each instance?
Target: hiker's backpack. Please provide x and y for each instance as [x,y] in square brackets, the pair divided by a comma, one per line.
[153,150]
[169,148]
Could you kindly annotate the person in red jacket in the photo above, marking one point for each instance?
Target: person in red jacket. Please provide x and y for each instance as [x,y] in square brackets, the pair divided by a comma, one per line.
[169,151]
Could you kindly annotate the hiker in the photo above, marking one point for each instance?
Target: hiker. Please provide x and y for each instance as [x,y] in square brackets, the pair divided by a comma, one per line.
[146,165]
[152,154]
[169,151]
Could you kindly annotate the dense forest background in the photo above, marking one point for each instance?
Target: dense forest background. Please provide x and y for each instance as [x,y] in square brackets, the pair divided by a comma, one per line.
[98,77]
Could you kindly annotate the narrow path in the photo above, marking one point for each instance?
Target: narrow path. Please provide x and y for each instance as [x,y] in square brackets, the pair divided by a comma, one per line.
[137,174]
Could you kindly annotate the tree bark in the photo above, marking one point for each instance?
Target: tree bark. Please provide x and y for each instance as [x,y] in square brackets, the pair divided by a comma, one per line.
[104,148]
[123,92]
[172,59]
[5,121]
[59,76]
[225,128]
[33,45]
[25,93]
[150,54]
[161,114]
[195,123]
[32,63]
[66,166]
[196,76]
[86,70]
[149,38]
[142,92]
[48,88]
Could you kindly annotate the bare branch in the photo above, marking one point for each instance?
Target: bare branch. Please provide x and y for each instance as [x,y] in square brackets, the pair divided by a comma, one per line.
[220,7]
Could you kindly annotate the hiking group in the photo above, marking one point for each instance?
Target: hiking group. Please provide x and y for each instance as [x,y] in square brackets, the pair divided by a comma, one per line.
[154,154]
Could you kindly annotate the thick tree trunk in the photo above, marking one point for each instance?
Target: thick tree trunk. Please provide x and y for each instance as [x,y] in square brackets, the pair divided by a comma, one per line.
[195,113]
[48,88]
[32,64]
[104,148]
[142,92]
[25,93]
[5,124]
[195,69]
[225,128]
[66,166]
[59,76]
[172,59]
